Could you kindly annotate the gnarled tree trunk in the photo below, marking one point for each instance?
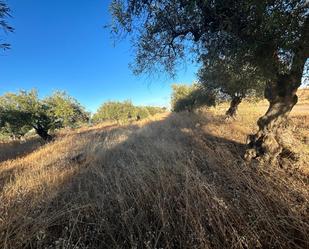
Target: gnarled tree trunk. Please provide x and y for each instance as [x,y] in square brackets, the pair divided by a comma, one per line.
[232,111]
[282,97]
[43,134]
[267,142]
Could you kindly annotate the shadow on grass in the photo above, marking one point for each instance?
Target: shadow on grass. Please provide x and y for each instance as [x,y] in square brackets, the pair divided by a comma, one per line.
[15,149]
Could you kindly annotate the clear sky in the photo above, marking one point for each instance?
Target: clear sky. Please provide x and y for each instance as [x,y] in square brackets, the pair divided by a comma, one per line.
[62,45]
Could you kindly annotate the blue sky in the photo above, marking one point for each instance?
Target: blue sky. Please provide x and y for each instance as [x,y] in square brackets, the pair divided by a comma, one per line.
[62,45]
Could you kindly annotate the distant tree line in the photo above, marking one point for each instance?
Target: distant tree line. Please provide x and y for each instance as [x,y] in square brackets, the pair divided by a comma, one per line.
[124,111]
[24,111]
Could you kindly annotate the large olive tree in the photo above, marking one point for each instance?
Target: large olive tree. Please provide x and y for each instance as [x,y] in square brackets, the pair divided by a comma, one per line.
[269,34]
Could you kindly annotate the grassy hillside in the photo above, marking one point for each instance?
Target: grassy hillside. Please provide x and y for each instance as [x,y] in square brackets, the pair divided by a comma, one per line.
[175,181]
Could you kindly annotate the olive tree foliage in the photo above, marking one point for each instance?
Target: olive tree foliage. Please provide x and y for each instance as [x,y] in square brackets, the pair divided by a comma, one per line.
[4,26]
[23,111]
[17,127]
[189,97]
[67,110]
[159,31]
[232,78]
[271,35]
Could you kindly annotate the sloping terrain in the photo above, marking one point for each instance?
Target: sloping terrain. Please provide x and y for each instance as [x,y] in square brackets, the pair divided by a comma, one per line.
[178,181]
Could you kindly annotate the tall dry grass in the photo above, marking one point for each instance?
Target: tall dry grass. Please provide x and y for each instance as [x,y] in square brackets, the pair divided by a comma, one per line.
[175,182]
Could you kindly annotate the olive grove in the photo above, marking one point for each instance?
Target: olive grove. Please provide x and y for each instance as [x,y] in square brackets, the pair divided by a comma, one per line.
[269,35]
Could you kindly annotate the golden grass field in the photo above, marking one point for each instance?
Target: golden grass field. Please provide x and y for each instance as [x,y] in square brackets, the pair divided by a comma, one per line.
[173,181]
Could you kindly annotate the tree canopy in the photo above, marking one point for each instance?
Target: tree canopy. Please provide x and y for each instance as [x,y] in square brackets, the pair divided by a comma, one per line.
[231,78]
[255,29]
[66,109]
[23,111]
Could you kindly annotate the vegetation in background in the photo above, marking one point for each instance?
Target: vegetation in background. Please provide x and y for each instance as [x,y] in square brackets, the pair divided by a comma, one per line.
[23,111]
[123,111]
[189,97]
[155,110]
[4,26]
[269,35]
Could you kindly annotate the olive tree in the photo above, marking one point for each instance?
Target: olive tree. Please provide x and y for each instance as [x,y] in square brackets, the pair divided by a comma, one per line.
[233,78]
[271,35]
[114,111]
[17,127]
[23,111]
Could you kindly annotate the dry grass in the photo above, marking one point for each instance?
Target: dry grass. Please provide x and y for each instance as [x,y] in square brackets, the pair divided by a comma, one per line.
[177,181]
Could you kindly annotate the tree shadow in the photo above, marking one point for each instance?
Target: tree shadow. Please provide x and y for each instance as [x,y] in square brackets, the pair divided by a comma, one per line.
[16,149]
